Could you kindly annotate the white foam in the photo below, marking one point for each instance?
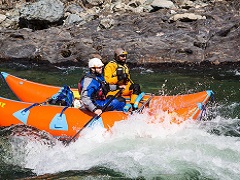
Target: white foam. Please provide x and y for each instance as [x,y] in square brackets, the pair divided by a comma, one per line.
[139,147]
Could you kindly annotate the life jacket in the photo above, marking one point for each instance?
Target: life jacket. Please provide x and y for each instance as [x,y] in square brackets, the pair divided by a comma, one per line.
[124,68]
[101,93]
[64,97]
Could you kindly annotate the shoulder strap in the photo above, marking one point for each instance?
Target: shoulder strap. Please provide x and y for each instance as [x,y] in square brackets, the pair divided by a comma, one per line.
[93,77]
[104,85]
[87,75]
[90,76]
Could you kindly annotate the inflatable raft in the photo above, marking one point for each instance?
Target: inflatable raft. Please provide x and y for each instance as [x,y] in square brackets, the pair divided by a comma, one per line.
[63,121]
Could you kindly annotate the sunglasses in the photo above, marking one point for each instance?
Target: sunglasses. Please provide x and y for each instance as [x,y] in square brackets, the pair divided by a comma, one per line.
[123,55]
[99,67]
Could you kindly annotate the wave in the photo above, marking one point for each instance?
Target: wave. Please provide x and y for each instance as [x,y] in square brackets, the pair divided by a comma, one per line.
[136,148]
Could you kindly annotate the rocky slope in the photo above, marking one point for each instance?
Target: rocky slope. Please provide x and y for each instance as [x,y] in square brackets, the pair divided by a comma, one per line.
[152,31]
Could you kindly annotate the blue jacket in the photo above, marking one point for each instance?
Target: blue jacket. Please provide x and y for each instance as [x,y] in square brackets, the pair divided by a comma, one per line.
[92,90]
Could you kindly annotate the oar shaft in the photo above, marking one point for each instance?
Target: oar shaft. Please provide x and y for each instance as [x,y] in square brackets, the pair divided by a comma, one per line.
[95,117]
[144,104]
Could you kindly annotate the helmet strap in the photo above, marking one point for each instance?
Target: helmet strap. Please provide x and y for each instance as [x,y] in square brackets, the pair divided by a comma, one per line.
[92,70]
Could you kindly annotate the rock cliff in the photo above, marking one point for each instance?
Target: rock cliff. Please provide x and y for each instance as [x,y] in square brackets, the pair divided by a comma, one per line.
[154,32]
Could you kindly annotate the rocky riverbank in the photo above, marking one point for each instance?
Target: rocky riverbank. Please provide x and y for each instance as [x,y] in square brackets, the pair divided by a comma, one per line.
[154,32]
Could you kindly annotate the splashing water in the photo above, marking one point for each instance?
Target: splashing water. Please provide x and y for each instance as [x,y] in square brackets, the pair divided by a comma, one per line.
[138,148]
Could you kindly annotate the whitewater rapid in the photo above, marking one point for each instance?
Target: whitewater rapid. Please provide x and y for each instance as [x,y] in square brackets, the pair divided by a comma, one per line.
[138,148]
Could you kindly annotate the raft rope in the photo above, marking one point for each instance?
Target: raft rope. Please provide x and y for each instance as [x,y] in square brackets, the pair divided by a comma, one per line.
[28,108]
[36,104]
[64,109]
[203,112]
[204,107]
[4,83]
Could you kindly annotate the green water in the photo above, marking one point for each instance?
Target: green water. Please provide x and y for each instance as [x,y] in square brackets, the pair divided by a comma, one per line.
[224,82]
[163,81]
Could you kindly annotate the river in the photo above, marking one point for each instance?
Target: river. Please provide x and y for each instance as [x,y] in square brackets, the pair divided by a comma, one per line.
[207,149]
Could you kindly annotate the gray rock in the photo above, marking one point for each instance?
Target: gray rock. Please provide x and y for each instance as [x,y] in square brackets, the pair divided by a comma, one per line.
[21,51]
[186,17]
[74,9]
[2,18]
[193,34]
[162,4]
[73,19]
[40,13]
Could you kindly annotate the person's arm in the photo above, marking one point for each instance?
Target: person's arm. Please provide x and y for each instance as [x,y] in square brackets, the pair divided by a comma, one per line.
[86,94]
[116,87]
[110,73]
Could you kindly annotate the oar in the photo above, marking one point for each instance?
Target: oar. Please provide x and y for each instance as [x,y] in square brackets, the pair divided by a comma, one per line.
[95,117]
[144,104]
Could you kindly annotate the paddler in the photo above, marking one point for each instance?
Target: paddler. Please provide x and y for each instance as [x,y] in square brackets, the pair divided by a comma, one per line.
[93,90]
[117,72]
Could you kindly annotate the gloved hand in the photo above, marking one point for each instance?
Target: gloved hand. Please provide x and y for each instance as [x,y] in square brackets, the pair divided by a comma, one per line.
[122,86]
[98,112]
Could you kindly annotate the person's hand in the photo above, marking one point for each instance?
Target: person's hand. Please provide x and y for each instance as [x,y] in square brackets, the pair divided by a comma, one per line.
[98,112]
[122,86]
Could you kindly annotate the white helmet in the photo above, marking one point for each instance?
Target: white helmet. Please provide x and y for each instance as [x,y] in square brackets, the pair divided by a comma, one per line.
[95,62]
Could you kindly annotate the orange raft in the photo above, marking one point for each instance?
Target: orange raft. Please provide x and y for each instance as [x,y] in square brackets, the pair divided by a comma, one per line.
[63,121]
